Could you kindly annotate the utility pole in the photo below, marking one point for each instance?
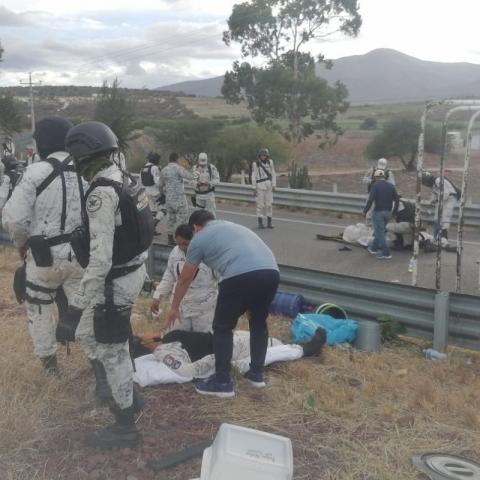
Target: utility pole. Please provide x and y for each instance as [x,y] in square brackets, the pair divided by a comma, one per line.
[32,107]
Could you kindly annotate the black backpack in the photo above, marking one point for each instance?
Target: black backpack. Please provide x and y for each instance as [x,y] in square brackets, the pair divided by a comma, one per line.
[133,237]
[146,176]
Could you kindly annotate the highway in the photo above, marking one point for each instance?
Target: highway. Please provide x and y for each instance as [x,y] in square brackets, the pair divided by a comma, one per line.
[294,242]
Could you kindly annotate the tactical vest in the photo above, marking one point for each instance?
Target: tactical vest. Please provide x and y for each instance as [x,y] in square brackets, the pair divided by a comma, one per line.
[133,237]
[147,176]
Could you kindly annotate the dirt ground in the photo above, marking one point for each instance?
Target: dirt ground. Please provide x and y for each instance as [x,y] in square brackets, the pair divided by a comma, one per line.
[350,415]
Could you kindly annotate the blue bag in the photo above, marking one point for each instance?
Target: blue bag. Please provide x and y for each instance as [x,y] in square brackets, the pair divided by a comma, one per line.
[338,331]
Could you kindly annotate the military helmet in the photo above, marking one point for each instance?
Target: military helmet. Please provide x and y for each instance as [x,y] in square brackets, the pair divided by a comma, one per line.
[90,139]
[264,151]
[50,133]
[154,157]
[428,179]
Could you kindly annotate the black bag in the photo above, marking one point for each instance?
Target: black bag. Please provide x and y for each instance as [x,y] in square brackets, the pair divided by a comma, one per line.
[135,235]
[111,323]
[146,176]
[80,242]
[20,283]
[40,249]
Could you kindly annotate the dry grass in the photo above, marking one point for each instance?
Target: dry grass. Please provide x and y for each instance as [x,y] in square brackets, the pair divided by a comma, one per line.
[349,415]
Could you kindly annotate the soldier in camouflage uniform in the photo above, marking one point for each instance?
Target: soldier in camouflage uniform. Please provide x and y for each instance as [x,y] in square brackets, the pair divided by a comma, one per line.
[91,144]
[172,184]
[40,215]
[198,306]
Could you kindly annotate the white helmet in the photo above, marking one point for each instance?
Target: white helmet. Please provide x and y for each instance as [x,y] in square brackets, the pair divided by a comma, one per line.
[382,163]
[202,158]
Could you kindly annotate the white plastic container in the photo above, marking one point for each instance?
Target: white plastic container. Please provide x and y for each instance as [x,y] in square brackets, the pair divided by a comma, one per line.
[239,453]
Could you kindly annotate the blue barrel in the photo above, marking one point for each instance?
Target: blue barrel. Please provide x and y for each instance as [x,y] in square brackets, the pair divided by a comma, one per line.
[287,304]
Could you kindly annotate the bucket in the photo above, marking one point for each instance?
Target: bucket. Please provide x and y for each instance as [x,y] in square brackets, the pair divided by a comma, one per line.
[369,336]
[287,304]
[333,310]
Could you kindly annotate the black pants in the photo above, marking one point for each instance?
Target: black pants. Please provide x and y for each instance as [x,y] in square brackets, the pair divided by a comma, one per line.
[251,292]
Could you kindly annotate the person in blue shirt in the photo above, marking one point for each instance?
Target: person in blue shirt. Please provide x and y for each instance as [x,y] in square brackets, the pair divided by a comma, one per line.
[249,280]
[384,196]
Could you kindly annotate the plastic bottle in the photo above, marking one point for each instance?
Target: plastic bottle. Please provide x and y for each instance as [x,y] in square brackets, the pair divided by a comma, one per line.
[411,265]
[431,354]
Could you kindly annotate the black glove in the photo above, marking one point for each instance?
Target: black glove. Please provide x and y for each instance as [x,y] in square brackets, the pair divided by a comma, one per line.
[67,325]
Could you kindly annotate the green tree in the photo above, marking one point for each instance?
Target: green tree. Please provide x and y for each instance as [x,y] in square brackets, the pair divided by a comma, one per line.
[285,93]
[236,147]
[369,123]
[399,138]
[299,178]
[115,109]
[188,136]
[10,119]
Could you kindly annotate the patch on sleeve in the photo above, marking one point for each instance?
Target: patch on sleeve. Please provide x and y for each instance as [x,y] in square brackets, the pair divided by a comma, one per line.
[94,203]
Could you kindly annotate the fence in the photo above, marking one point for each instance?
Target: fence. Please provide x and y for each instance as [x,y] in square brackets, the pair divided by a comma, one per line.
[364,299]
[329,201]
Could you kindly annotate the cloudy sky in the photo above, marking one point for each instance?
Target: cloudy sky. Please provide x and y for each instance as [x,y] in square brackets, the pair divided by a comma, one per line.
[166,41]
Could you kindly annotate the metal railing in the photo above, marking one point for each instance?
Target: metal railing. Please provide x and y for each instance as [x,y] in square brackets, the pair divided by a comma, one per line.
[328,201]
[365,299]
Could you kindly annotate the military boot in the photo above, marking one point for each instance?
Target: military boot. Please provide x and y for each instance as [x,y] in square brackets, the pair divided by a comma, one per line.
[102,389]
[50,364]
[122,434]
[269,222]
[138,400]
[171,240]
[260,222]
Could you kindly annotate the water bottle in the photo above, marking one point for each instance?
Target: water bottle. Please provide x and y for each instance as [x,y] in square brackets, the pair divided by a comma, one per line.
[431,354]
[411,265]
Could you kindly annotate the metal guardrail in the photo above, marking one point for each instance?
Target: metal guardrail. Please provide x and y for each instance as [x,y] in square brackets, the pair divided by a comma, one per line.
[366,299]
[328,201]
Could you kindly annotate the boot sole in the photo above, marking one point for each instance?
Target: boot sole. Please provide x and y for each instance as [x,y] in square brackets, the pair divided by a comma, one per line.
[216,394]
[256,384]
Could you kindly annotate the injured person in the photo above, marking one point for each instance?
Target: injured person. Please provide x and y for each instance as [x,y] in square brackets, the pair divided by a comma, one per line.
[182,356]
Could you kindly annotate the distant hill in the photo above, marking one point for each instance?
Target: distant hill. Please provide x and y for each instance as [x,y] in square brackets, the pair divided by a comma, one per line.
[380,76]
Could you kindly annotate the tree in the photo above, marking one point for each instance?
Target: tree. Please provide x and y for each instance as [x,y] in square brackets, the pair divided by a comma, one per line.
[116,110]
[286,87]
[299,178]
[399,138]
[188,136]
[369,123]
[236,147]
[10,119]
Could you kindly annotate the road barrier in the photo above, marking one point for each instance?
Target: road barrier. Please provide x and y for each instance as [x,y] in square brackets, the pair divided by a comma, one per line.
[328,201]
[364,299]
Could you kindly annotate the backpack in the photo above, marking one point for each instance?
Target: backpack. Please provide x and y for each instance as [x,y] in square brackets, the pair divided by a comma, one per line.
[133,237]
[146,176]
[458,192]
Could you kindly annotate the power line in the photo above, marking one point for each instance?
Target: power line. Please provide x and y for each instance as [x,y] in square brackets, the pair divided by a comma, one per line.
[32,106]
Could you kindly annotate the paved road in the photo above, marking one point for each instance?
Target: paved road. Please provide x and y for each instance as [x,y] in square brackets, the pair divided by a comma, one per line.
[294,243]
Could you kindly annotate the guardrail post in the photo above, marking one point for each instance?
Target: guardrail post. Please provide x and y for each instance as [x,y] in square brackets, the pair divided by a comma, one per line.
[440,323]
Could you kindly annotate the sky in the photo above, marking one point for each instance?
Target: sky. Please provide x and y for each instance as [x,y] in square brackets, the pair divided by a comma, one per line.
[160,42]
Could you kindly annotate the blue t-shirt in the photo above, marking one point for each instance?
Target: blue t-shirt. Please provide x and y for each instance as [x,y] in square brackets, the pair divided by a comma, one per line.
[230,249]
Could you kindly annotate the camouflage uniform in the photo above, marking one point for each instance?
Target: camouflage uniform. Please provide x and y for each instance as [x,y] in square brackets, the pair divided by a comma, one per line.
[103,216]
[205,196]
[172,183]
[264,186]
[25,215]
[198,306]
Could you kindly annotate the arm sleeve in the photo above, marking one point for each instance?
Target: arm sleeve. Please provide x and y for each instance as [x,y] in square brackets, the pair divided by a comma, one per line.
[391,178]
[196,176]
[18,212]
[254,174]
[195,252]
[367,178]
[215,180]
[101,208]
[167,284]
[156,175]
[370,200]
[274,175]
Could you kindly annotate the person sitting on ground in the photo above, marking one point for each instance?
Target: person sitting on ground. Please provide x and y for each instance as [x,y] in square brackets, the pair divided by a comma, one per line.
[198,306]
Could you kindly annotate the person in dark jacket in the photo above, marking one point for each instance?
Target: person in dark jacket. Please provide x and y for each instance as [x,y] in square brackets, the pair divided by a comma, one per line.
[385,197]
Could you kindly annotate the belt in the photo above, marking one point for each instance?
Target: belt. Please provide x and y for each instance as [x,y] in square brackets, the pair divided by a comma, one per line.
[264,180]
[59,240]
[198,192]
